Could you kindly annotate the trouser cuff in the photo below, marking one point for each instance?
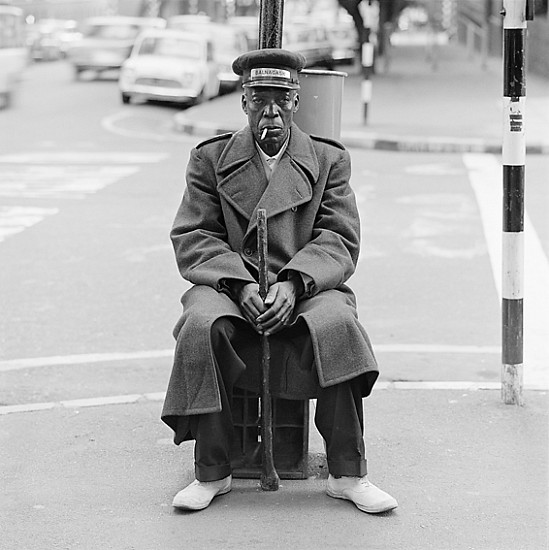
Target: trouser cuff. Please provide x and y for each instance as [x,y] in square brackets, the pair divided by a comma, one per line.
[212,473]
[347,468]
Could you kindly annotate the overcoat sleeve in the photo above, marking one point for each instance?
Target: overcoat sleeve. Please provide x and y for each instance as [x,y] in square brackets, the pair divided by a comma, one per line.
[330,258]
[199,235]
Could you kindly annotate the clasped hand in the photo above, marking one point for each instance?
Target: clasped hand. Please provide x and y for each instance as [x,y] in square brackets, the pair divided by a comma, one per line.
[272,315]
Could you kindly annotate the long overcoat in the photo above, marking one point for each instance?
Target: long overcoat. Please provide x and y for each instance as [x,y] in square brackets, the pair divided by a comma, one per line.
[313,229]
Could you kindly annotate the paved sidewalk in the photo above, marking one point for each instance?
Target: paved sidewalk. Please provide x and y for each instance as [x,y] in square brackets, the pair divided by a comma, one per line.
[469,472]
[455,107]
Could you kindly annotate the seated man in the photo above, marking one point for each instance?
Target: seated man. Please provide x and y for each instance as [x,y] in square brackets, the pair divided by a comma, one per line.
[318,347]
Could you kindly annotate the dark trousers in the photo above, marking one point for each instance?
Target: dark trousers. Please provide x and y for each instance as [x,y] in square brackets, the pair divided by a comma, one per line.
[338,417]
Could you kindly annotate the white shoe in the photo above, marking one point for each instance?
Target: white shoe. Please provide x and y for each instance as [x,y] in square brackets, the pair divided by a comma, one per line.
[365,495]
[199,494]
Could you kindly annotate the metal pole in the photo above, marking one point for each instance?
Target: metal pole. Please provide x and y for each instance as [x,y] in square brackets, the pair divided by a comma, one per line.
[271,14]
[513,157]
[367,59]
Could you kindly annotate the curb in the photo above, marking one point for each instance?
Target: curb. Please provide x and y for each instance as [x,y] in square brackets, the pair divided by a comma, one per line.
[372,141]
[315,446]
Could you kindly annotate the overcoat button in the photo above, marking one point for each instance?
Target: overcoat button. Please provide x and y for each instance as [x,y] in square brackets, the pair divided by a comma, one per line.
[293,208]
[248,251]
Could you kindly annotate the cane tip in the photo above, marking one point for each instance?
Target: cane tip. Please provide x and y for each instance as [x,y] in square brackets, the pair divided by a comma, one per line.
[270,483]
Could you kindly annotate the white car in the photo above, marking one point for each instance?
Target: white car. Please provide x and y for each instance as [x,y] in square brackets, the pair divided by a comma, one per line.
[172,66]
[13,52]
[228,43]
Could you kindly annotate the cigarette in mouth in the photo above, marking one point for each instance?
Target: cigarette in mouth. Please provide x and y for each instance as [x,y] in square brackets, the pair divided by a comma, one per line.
[263,134]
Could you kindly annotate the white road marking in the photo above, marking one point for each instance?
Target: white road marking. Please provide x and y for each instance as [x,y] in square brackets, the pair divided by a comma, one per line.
[485,175]
[59,182]
[82,359]
[61,175]
[14,219]
[27,407]
[434,169]
[82,403]
[82,157]
[438,385]
[98,401]
[112,124]
[435,348]
[92,358]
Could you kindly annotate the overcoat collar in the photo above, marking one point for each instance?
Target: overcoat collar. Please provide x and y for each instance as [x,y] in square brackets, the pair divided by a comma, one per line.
[242,179]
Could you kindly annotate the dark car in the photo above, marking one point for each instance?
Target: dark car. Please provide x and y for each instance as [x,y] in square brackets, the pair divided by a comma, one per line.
[107,42]
[311,41]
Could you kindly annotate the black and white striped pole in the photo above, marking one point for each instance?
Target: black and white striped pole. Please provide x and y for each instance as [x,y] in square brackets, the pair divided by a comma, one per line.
[513,158]
[367,61]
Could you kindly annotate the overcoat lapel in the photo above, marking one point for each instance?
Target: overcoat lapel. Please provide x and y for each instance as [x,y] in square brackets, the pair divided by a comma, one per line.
[242,177]
[244,185]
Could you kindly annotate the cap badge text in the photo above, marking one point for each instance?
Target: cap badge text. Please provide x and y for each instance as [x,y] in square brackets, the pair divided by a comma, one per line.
[269,72]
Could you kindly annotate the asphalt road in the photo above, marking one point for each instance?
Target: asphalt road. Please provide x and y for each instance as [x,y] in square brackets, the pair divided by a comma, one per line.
[89,293]
[90,187]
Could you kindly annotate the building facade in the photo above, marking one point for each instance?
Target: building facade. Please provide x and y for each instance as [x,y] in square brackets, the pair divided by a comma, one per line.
[479,26]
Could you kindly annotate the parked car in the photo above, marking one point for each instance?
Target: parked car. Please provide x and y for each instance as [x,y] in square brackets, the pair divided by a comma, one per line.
[68,34]
[228,43]
[44,39]
[249,25]
[345,44]
[186,22]
[13,52]
[171,66]
[107,41]
[311,41]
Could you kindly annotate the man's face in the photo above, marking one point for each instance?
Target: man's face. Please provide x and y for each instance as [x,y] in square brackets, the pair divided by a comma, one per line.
[270,113]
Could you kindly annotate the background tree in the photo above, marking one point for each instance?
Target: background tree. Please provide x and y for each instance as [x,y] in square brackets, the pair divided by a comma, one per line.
[389,11]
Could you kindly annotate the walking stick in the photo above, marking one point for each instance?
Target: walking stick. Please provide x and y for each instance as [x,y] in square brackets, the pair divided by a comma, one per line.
[269,477]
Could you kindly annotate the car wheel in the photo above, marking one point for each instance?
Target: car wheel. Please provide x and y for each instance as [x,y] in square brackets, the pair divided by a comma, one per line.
[126,98]
[5,100]
[200,98]
[216,91]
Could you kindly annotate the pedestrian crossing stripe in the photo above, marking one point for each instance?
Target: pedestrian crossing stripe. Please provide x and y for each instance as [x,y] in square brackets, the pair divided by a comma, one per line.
[59,175]
[14,219]
[59,182]
[80,157]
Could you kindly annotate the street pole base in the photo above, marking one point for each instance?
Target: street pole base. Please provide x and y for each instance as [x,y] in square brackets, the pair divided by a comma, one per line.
[511,384]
